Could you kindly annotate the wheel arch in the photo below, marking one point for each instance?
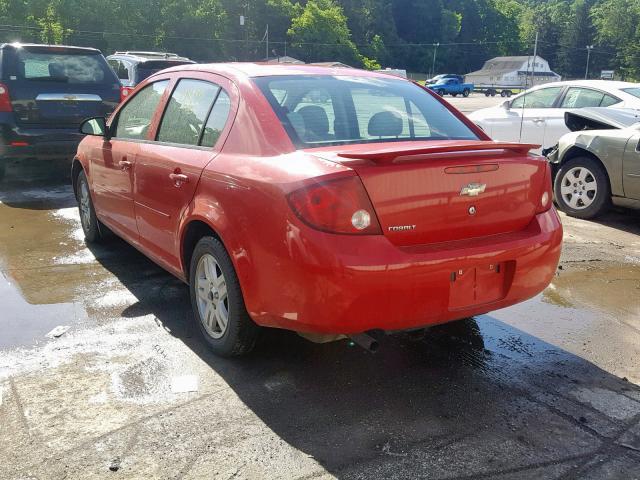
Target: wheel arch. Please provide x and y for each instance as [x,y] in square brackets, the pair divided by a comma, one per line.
[192,231]
[76,168]
[576,151]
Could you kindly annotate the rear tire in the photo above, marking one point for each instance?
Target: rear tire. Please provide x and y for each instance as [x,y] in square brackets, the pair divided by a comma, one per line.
[581,188]
[217,301]
[88,218]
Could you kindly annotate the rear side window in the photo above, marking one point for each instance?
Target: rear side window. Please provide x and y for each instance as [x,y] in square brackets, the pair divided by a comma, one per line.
[217,120]
[120,68]
[586,97]
[148,68]
[187,111]
[135,116]
[339,110]
[62,67]
[635,91]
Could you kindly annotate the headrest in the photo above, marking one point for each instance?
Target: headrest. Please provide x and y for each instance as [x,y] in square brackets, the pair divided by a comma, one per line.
[315,120]
[385,124]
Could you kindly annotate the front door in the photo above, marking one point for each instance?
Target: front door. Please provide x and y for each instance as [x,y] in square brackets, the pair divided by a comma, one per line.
[112,165]
[535,116]
[168,170]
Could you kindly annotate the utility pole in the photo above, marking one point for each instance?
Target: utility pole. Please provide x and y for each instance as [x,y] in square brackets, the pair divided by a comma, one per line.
[266,34]
[586,72]
[535,56]
[433,65]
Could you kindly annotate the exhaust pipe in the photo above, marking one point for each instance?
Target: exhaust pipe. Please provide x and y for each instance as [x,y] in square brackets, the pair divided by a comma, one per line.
[366,341]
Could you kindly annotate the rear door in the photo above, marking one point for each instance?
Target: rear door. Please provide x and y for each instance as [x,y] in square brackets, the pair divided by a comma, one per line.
[112,164]
[58,87]
[574,97]
[167,170]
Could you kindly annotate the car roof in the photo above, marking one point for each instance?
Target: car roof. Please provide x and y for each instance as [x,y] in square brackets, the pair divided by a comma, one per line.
[44,45]
[600,84]
[240,70]
[150,57]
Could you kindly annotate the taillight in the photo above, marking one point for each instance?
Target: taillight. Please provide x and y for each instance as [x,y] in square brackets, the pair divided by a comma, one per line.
[336,206]
[124,92]
[546,197]
[5,100]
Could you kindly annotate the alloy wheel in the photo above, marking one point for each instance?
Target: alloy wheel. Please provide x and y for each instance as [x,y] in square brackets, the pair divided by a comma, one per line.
[212,298]
[579,188]
[85,206]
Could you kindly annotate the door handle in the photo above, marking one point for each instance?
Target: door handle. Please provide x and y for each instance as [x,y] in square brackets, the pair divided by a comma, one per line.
[538,120]
[178,178]
[125,164]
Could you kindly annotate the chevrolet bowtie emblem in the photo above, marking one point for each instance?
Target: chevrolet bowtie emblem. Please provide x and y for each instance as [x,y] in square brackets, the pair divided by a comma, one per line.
[70,97]
[473,189]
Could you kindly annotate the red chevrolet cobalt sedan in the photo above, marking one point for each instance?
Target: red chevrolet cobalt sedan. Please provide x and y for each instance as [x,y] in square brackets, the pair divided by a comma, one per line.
[326,201]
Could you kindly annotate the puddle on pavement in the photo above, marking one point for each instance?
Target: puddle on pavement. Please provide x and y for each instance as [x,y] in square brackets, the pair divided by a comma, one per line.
[23,324]
[610,288]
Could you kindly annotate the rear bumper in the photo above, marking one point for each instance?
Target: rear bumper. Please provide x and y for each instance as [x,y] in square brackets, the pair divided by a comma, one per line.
[343,284]
[26,143]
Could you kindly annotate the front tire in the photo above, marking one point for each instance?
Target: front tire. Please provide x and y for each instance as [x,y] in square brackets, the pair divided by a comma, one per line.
[441,93]
[465,92]
[217,301]
[88,218]
[581,188]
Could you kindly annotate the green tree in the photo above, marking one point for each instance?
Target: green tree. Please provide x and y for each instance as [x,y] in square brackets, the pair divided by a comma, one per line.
[320,33]
[617,24]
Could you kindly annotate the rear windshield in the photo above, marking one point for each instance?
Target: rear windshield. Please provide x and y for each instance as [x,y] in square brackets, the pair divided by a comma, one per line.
[635,91]
[146,69]
[339,110]
[63,67]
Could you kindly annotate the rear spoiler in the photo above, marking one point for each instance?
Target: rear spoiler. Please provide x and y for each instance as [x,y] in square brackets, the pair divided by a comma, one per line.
[390,154]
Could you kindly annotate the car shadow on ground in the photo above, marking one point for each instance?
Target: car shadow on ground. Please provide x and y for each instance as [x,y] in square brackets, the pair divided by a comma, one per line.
[481,398]
[621,218]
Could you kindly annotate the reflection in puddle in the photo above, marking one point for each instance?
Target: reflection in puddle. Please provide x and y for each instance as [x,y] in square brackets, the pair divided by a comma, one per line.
[23,324]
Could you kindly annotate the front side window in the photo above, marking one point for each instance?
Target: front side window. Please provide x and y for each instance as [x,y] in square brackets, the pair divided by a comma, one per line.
[135,116]
[339,110]
[187,111]
[543,98]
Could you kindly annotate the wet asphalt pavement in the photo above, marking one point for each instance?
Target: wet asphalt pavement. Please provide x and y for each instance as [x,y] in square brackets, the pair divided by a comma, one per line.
[545,389]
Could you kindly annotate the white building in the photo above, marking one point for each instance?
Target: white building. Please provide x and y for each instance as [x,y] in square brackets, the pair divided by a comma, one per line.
[512,71]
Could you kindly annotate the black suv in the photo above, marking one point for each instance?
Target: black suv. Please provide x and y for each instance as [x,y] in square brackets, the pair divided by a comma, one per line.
[45,93]
[133,67]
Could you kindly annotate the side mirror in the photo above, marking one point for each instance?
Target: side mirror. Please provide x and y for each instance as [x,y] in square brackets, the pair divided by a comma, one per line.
[506,105]
[96,126]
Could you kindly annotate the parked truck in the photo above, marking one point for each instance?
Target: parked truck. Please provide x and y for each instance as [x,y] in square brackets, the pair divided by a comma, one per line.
[451,86]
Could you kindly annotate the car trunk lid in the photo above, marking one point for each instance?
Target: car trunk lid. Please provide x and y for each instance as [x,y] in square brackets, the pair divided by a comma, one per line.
[428,192]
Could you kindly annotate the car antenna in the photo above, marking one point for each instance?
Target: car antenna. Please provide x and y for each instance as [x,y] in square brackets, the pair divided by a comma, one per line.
[533,73]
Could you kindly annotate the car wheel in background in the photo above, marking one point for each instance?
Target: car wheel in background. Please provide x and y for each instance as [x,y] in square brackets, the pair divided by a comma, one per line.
[216,298]
[581,188]
[441,93]
[88,219]
[465,92]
